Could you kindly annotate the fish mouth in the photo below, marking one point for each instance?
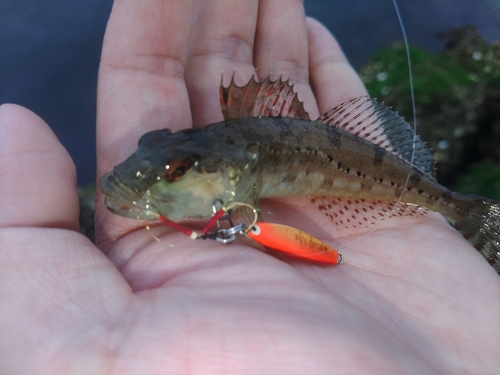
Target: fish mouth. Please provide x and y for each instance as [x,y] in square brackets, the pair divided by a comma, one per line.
[123,201]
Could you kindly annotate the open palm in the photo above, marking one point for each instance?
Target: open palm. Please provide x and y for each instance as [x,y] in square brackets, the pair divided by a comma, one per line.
[411,297]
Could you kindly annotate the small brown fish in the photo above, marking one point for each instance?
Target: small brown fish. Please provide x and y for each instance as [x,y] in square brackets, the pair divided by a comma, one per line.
[269,147]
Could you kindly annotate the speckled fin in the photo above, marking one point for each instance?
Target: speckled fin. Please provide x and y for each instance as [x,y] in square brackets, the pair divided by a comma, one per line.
[373,121]
[261,99]
[354,213]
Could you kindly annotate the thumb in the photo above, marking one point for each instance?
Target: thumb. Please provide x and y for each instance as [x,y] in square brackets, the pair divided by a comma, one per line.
[37,175]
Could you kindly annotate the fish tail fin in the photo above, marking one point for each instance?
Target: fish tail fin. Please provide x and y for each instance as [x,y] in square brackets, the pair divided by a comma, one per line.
[481,227]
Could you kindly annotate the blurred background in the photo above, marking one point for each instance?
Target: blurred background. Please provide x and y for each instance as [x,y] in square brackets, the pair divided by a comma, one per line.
[49,52]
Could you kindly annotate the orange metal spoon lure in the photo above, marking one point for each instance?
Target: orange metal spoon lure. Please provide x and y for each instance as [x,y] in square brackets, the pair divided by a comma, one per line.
[294,242]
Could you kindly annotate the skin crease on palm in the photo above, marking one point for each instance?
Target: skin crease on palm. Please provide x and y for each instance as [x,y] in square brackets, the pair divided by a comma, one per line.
[413,297]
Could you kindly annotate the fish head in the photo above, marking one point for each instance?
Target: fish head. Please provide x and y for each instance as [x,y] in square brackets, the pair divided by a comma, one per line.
[180,175]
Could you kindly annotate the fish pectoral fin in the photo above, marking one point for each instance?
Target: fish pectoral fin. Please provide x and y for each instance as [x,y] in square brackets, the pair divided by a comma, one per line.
[354,215]
[261,99]
[378,124]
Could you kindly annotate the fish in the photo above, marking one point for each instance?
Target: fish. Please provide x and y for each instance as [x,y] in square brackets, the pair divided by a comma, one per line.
[360,152]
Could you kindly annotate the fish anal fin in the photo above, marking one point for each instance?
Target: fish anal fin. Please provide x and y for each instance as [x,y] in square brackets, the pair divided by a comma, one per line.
[261,99]
[354,215]
[366,118]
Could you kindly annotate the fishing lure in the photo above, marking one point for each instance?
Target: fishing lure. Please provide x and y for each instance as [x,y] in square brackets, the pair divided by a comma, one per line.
[280,238]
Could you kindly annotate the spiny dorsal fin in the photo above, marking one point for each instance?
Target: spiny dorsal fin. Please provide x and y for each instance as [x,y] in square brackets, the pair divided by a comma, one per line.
[366,118]
[261,99]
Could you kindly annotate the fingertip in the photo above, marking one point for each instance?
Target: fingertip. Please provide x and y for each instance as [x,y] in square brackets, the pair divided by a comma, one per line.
[38,177]
[333,79]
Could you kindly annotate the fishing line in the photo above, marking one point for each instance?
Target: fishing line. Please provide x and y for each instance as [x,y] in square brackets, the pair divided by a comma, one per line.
[412,95]
[415,137]
[412,92]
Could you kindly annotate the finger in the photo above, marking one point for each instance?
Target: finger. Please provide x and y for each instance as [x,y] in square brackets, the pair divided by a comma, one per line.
[38,177]
[141,85]
[281,46]
[333,79]
[222,41]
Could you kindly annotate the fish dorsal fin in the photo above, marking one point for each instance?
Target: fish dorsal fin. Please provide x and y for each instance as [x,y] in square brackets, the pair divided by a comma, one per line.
[366,118]
[261,99]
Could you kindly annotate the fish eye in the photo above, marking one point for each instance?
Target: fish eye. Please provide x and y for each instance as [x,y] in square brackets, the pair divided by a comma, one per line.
[177,169]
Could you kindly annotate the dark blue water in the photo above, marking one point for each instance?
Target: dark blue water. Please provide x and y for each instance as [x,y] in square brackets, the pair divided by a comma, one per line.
[49,51]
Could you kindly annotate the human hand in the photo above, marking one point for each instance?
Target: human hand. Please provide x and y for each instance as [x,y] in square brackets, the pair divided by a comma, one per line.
[411,297]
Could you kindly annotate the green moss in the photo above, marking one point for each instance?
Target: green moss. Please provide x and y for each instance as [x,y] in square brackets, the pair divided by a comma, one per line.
[433,75]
